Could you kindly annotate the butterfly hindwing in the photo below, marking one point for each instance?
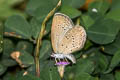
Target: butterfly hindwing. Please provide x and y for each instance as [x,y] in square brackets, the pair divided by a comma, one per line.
[73,40]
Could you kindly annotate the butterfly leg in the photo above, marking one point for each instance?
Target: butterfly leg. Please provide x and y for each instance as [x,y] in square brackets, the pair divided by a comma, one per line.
[55,60]
[59,60]
[66,59]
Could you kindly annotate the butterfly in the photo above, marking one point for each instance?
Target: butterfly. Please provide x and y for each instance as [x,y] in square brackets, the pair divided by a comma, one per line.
[66,38]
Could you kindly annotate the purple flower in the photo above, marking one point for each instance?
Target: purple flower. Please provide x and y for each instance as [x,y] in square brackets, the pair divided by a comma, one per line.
[62,63]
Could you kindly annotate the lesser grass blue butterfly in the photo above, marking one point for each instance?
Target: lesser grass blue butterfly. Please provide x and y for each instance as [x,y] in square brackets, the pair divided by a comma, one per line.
[66,38]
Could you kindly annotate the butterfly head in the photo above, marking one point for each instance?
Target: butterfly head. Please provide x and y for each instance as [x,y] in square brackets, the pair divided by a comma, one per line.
[52,55]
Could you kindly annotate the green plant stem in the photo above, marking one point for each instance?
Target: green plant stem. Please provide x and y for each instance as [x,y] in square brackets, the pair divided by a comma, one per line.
[39,40]
[78,21]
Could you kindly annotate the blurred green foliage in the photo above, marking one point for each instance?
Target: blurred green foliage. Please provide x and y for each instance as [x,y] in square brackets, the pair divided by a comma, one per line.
[7,8]
[1,37]
[102,24]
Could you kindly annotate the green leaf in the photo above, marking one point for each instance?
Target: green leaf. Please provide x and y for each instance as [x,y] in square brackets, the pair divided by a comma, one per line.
[107,77]
[84,76]
[96,16]
[103,31]
[9,3]
[26,59]
[36,26]
[2,69]
[29,77]
[1,37]
[8,62]
[24,45]
[32,69]
[100,60]
[117,75]
[44,66]
[9,76]
[40,8]
[87,21]
[19,76]
[47,70]
[45,49]
[114,62]
[82,66]
[113,47]
[114,14]
[73,3]
[50,74]
[9,47]
[6,8]
[115,4]
[100,6]
[88,44]
[70,11]
[19,26]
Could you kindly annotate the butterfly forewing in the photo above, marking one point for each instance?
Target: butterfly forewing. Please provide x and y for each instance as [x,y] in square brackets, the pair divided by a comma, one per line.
[73,40]
[60,25]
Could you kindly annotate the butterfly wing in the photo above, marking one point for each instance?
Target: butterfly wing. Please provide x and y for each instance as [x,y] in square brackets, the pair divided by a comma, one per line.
[60,25]
[73,40]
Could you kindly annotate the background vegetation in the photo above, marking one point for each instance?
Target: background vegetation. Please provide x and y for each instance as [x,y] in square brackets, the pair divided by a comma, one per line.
[20,24]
